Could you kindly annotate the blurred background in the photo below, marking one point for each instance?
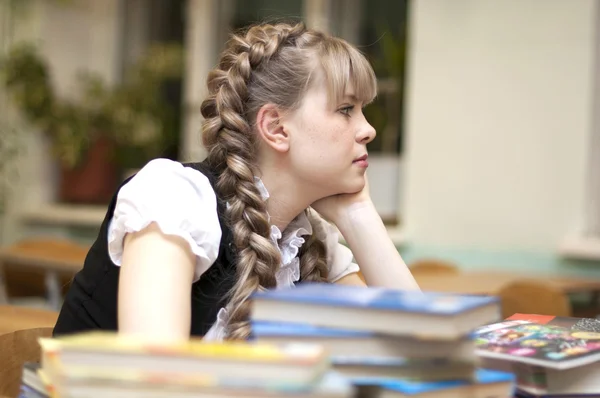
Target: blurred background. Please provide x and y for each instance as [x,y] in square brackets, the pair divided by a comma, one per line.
[486,167]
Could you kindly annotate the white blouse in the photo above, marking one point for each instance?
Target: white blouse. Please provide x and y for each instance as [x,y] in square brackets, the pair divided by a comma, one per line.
[181,201]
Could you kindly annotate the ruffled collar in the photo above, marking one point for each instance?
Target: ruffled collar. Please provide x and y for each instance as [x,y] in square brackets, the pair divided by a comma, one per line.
[291,240]
[288,242]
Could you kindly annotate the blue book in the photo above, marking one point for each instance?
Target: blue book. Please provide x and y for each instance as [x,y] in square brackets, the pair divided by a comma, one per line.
[290,329]
[425,315]
[490,383]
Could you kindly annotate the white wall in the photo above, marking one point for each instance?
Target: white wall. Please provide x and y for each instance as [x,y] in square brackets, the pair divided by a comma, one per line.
[499,113]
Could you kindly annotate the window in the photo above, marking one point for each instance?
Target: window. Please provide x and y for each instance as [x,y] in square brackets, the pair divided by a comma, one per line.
[238,14]
[246,12]
[378,29]
[145,23]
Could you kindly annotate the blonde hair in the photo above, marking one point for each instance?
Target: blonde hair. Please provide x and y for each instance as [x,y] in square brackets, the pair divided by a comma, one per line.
[268,64]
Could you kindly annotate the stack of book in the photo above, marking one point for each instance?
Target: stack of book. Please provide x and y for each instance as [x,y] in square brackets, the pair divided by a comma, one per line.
[384,338]
[550,355]
[100,364]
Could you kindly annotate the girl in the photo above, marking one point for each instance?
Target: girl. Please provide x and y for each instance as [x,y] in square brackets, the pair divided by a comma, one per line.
[183,246]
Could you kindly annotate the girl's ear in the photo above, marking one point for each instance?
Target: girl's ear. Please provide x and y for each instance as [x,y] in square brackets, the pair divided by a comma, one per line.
[270,128]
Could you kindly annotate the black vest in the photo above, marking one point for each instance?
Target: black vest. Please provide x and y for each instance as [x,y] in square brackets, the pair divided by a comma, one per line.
[91,302]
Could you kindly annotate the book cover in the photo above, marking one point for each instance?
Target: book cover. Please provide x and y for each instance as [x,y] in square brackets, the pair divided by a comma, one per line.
[378,298]
[545,341]
[413,387]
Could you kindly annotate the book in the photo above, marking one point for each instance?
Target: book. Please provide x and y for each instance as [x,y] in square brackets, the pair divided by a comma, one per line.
[434,369]
[30,380]
[425,315]
[111,353]
[26,391]
[550,342]
[548,354]
[362,344]
[331,385]
[485,384]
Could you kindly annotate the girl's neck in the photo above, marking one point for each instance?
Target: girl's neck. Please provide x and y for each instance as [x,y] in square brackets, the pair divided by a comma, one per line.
[287,197]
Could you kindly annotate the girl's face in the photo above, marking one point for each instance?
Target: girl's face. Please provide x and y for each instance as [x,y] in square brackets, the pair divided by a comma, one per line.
[328,143]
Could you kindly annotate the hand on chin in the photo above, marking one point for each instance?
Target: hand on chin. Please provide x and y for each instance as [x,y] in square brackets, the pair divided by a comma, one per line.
[333,207]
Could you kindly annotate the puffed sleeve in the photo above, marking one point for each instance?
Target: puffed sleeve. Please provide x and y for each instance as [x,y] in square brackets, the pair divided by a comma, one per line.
[339,257]
[179,199]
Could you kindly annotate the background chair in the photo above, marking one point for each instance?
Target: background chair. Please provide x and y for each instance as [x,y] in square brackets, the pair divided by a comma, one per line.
[533,297]
[16,348]
[433,266]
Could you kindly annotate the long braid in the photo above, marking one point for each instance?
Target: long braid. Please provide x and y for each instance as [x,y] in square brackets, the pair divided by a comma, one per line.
[313,254]
[231,148]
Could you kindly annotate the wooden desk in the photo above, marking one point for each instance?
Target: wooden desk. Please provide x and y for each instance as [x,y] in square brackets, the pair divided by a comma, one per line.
[18,318]
[490,283]
[54,257]
[46,254]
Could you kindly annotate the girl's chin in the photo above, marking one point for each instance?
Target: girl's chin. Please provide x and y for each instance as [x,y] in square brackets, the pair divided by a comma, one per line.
[354,186]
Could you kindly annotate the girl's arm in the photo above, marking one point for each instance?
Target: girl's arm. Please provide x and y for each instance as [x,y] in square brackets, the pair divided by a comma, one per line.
[155,286]
[379,260]
[351,279]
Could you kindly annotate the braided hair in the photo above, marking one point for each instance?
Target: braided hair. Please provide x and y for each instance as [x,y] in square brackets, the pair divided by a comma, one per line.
[267,64]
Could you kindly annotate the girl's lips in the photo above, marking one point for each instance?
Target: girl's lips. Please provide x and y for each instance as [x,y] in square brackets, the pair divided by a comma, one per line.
[361,161]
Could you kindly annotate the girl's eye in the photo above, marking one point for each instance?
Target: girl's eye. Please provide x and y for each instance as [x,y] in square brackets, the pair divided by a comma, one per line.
[346,110]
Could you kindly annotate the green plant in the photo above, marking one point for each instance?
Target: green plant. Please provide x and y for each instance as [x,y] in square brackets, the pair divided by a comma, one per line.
[132,114]
[10,147]
[21,7]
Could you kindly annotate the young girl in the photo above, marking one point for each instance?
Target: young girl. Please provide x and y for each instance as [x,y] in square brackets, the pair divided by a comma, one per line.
[183,246]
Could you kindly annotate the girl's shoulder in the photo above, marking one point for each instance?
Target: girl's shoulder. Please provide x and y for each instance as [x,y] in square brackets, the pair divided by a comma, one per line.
[169,171]
[169,188]
[179,199]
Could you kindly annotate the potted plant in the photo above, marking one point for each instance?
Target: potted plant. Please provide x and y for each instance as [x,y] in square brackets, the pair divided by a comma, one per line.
[10,147]
[95,133]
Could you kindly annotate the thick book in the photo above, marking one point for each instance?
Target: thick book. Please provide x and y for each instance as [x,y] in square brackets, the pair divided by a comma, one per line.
[361,344]
[435,369]
[395,312]
[93,385]
[252,363]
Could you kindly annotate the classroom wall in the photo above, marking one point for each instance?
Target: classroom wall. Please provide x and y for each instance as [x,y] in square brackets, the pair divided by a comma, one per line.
[499,115]
[499,111]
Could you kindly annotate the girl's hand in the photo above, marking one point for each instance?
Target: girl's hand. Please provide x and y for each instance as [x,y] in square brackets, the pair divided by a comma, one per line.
[334,208]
